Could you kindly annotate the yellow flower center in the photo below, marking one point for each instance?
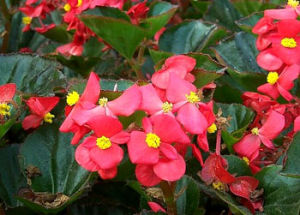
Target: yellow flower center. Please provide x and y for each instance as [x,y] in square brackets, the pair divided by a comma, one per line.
[4,109]
[103,101]
[103,142]
[26,20]
[218,186]
[272,77]
[67,7]
[255,131]
[212,129]
[246,160]
[72,98]
[153,140]
[289,42]
[193,97]
[79,3]
[48,117]
[167,107]
[293,3]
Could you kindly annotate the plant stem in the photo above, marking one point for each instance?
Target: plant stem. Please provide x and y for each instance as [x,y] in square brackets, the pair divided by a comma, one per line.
[136,69]
[218,142]
[7,17]
[168,191]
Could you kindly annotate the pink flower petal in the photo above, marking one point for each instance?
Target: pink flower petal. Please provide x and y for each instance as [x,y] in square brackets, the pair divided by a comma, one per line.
[7,92]
[156,207]
[120,138]
[170,170]
[248,146]
[82,155]
[146,176]
[107,158]
[270,90]
[168,129]
[286,13]
[105,126]
[92,90]
[31,121]
[273,125]
[169,151]
[151,102]
[297,124]
[127,103]
[138,150]
[108,173]
[267,60]
[192,119]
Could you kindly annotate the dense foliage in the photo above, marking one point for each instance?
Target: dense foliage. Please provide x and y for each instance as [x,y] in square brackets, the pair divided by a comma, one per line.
[142,107]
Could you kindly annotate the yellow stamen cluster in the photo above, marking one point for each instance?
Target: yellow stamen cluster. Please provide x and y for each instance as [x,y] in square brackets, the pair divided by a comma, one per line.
[79,3]
[49,117]
[212,129]
[293,3]
[103,142]
[288,42]
[272,78]
[26,20]
[103,101]
[255,131]
[167,107]
[72,98]
[4,109]
[67,7]
[218,186]
[246,160]
[153,140]
[193,97]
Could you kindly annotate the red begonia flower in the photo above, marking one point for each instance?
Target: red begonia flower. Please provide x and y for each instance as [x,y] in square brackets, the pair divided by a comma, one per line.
[291,11]
[100,151]
[243,186]
[88,98]
[214,170]
[297,124]
[180,65]
[257,102]
[147,147]
[184,96]
[137,12]
[7,92]
[155,207]
[40,108]
[125,105]
[250,144]
[281,84]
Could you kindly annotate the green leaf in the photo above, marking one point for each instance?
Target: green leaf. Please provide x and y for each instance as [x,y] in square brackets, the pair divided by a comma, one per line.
[155,23]
[291,167]
[108,12]
[11,177]
[189,195]
[186,37]
[248,22]
[237,166]
[200,6]
[158,8]
[281,194]
[247,7]
[240,118]
[59,34]
[225,197]
[6,126]
[121,35]
[223,13]
[239,53]
[51,152]
[31,73]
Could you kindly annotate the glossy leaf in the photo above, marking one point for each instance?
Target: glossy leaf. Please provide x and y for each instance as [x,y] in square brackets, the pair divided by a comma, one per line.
[281,193]
[291,167]
[11,177]
[237,166]
[121,35]
[31,73]
[189,196]
[223,13]
[186,37]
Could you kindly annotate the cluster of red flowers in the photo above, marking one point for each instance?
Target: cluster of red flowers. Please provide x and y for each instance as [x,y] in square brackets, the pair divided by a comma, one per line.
[41,9]
[278,42]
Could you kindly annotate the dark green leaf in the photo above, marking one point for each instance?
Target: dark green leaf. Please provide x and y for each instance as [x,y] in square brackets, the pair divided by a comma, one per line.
[108,12]
[59,34]
[186,37]
[239,53]
[31,73]
[159,8]
[237,166]
[223,13]
[291,167]
[246,7]
[121,35]
[247,23]
[281,193]
[11,177]
[51,152]
[189,194]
